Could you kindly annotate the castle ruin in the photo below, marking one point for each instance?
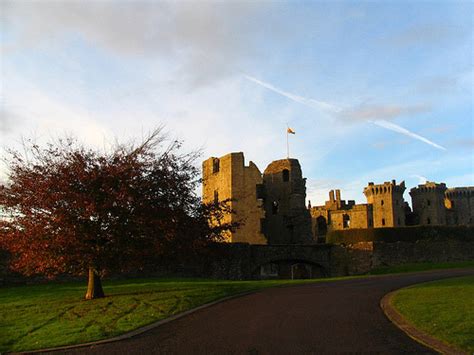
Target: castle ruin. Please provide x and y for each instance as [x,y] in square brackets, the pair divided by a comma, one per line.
[271,206]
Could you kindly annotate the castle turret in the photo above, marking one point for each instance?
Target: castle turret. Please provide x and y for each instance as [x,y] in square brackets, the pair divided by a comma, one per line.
[428,203]
[459,202]
[227,178]
[388,204]
[287,221]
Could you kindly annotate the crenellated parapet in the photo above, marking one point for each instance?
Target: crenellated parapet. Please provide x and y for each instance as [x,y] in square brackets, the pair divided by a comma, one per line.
[460,192]
[386,187]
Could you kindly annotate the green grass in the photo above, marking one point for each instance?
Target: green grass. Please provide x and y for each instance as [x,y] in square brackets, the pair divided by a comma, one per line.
[41,316]
[443,309]
[420,267]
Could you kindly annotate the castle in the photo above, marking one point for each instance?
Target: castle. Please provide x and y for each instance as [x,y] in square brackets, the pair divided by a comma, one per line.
[271,206]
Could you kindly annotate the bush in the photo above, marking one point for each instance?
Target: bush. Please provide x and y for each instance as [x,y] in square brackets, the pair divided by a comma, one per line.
[401,234]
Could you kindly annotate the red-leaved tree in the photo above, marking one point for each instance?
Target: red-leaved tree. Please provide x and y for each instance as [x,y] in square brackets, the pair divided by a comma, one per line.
[74,210]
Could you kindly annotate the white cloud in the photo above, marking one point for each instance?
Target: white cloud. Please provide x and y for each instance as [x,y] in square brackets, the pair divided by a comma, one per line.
[209,40]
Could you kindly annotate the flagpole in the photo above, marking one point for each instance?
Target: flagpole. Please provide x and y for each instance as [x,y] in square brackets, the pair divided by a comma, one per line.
[287,145]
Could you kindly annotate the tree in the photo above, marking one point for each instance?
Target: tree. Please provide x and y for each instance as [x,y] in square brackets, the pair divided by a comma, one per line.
[75,210]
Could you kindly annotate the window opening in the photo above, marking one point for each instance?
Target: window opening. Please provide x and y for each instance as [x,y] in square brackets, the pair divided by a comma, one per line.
[275,207]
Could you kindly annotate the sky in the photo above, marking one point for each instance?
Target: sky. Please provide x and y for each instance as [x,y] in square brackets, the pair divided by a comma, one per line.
[375,91]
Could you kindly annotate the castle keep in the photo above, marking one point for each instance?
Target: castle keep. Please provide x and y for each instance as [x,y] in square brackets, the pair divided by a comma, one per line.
[271,206]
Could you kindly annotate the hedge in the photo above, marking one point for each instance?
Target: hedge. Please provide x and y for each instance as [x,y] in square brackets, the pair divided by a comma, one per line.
[404,234]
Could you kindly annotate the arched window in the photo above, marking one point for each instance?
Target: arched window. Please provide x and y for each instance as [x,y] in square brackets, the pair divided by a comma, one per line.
[286,175]
[275,207]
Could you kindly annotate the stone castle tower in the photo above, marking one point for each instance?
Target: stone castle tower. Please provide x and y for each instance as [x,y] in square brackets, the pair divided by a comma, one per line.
[459,202]
[287,219]
[428,203]
[228,178]
[387,202]
[270,207]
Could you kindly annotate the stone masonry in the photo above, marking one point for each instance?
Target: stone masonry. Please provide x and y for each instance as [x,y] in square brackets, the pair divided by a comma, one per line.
[271,207]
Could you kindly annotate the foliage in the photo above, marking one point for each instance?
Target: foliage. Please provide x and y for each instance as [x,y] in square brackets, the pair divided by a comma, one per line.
[70,208]
[402,234]
[443,309]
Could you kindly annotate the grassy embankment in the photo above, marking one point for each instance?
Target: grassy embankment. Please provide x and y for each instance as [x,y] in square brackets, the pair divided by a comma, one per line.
[443,309]
[40,316]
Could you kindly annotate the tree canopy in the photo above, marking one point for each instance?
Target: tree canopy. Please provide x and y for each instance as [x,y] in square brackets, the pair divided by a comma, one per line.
[71,209]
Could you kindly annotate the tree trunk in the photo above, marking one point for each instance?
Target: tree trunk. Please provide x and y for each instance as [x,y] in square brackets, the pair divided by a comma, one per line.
[94,286]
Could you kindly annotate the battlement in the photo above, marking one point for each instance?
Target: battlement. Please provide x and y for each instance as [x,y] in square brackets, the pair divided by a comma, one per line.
[428,187]
[459,192]
[387,187]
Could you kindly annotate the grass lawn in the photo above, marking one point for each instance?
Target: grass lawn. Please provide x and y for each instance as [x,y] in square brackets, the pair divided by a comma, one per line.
[444,309]
[420,267]
[40,316]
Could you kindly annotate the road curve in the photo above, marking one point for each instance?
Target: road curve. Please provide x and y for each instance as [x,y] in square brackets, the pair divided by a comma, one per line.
[329,317]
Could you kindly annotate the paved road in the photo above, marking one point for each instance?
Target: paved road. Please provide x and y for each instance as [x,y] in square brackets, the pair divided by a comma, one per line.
[336,317]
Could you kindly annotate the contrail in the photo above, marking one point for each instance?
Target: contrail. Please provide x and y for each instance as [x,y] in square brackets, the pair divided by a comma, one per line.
[335,109]
[300,99]
[396,128]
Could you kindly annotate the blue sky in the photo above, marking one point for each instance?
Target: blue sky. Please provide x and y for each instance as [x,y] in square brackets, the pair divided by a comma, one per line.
[374,90]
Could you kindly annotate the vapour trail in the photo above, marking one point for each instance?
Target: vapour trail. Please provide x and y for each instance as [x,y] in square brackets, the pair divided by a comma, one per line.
[396,128]
[300,99]
[335,109]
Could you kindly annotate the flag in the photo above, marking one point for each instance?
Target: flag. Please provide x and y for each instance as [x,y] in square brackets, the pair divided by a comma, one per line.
[290,131]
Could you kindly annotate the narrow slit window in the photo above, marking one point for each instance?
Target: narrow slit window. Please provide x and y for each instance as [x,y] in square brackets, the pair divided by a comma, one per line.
[215,165]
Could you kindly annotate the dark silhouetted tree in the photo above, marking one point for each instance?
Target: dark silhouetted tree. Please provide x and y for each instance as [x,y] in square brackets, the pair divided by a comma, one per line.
[75,210]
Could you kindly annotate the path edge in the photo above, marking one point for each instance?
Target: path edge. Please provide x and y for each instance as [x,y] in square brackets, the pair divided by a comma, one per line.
[140,330]
[415,333]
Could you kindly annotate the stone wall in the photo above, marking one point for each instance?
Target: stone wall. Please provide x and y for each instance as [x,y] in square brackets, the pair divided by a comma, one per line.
[243,261]
[360,258]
